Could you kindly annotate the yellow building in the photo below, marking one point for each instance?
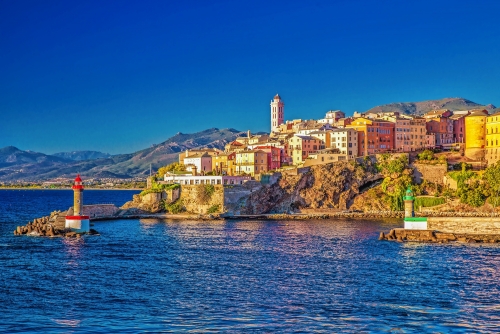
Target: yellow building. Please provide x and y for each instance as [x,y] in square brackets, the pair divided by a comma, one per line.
[475,135]
[224,164]
[251,162]
[493,138]
[193,152]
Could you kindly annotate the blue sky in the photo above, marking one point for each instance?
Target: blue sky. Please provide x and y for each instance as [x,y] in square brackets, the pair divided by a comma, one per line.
[118,76]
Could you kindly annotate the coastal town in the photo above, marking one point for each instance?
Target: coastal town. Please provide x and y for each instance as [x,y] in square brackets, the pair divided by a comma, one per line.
[302,143]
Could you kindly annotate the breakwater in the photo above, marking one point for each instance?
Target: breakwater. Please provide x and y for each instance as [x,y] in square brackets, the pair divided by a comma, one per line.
[401,234]
[48,226]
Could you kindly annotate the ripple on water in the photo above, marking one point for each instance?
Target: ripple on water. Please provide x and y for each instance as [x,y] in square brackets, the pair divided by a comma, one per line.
[237,276]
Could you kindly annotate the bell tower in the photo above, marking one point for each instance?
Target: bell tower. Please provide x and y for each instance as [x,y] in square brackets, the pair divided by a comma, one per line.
[277,112]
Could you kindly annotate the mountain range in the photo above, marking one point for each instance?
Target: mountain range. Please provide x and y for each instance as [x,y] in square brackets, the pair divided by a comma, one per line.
[420,108]
[19,165]
[82,155]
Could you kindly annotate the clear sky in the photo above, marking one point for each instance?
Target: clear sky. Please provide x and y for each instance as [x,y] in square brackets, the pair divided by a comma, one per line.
[118,76]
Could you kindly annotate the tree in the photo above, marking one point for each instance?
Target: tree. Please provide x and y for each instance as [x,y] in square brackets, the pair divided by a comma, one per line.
[173,167]
[492,178]
[426,155]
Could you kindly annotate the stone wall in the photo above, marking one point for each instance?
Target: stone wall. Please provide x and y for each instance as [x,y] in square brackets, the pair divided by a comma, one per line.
[470,225]
[195,201]
[98,210]
[431,173]
[170,195]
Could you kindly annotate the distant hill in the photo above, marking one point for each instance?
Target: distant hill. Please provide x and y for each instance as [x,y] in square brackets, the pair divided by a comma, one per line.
[16,164]
[82,155]
[420,108]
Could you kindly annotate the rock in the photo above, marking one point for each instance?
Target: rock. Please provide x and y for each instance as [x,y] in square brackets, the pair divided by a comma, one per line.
[70,234]
[399,239]
[381,236]
[78,235]
[19,230]
[93,232]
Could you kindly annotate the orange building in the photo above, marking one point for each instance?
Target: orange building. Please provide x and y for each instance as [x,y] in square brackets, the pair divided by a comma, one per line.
[374,136]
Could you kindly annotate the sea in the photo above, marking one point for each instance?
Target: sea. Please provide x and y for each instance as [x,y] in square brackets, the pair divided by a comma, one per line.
[236,276]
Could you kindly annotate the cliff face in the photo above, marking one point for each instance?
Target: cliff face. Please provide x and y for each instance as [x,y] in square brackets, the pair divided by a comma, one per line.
[331,186]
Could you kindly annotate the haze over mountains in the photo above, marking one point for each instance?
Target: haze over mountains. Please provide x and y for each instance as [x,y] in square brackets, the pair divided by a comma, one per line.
[16,164]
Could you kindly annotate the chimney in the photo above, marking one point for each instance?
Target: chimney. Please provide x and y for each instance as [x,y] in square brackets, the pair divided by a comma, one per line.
[187,153]
[194,170]
[248,134]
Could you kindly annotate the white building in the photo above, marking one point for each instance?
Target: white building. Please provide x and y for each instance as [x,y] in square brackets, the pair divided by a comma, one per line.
[202,162]
[332,117]
[187,179]
[346,140]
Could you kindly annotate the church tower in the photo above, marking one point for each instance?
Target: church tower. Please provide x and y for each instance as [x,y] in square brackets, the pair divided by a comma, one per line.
[277,113]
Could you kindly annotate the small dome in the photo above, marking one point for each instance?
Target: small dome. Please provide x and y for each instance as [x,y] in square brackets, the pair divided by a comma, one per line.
[78,179]
[277,97]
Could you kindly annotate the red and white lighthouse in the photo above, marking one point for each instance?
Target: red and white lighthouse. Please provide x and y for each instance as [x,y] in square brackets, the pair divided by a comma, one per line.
[77,222]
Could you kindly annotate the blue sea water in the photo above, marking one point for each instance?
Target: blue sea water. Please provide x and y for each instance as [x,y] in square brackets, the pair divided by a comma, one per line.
[236,276]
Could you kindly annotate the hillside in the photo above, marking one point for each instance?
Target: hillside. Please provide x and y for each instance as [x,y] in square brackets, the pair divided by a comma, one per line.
[17,165]
[420,108]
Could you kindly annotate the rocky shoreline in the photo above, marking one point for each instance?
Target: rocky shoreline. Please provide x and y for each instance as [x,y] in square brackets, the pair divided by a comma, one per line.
[48,226]
[429,236]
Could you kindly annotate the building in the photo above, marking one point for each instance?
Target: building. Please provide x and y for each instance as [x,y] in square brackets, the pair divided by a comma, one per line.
[273,156]
[475,134]
[493,138]
[374,136]
[325,156]
[409,132]
[201,162]
[193,152]
[188,179]
[442,128]
[418,131]
[277,113]
[300,146]
[438,113]
[345,141]
[332,117]
[324,137]
[251,162]
[224,164]
[234,146]
[458,118]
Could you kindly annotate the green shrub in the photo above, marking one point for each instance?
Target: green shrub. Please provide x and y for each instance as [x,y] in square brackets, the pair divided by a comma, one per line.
[158,188]
[175,207]
[426,155]
[213,209]
[428,202]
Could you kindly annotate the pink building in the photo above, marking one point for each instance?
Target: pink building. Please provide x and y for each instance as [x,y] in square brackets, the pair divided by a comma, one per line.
[273,156]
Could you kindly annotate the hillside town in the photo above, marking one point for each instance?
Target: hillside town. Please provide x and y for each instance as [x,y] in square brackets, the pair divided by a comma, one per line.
[302,143]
